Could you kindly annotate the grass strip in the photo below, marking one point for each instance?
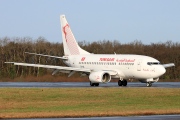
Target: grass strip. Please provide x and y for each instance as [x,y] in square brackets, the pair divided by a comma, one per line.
[87,102]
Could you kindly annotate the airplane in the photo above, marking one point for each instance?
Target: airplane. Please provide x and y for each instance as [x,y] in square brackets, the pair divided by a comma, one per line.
[101,68]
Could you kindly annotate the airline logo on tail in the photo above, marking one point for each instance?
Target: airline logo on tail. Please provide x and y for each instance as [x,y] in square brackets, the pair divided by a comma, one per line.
[70,45]
[70,40]
[64,30]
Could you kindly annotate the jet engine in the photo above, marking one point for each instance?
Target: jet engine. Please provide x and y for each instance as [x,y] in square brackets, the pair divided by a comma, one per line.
[99,77]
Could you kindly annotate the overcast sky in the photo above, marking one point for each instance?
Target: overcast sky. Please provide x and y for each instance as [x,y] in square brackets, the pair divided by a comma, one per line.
[150,21]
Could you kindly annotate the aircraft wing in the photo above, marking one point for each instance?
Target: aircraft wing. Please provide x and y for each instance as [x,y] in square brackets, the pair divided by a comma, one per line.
[111,72]
[52,67]
[168,65]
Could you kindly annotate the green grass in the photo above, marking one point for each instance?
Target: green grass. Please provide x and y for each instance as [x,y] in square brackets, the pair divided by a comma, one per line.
[80,102]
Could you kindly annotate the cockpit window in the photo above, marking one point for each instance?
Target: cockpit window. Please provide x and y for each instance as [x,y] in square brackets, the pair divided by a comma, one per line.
[153,63]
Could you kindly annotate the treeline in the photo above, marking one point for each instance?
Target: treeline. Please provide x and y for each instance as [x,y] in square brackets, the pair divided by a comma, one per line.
[13,50]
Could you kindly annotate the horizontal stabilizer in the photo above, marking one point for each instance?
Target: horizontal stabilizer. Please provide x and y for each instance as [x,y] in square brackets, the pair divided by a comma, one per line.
[168,65]
[47,55]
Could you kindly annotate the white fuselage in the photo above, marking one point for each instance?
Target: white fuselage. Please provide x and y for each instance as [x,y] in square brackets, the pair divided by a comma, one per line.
[100,68]
[126,66]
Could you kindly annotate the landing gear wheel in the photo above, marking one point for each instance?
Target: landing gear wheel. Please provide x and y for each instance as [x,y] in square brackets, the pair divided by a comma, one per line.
[120,83]
[124,82]
[94,84]
[91,84]
[149,84]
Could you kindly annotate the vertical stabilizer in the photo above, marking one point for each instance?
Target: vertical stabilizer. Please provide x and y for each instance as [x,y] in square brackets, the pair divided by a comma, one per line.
[70,44]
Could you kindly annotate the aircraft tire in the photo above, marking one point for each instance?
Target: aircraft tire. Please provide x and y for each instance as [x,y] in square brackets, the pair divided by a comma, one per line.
[124,82]
[96,84]
[92,84]
[148,84]
[120,83]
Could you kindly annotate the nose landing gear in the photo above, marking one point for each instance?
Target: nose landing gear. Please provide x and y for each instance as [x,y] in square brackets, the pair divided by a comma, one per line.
[149,84]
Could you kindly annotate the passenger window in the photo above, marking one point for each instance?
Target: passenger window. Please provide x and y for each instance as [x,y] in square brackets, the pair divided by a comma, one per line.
[153,63]
[149,63]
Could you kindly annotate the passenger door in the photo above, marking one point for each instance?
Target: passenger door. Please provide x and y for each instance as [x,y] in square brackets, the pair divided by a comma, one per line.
[139,65]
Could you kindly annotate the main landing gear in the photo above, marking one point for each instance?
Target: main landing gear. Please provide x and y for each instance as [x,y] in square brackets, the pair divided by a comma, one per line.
[94,84]
[122,82]
[149,84]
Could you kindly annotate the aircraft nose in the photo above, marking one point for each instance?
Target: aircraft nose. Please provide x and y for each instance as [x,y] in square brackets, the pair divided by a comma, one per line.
[162,70]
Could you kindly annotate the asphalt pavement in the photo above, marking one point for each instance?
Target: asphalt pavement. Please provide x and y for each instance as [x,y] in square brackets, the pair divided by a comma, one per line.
[83,84]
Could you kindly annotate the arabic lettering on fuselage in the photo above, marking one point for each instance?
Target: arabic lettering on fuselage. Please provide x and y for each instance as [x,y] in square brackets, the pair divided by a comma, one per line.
[125,60]
[106,59]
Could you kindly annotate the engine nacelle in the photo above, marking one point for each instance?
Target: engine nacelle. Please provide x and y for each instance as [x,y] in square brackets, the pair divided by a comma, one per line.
[149,80]
[100,77]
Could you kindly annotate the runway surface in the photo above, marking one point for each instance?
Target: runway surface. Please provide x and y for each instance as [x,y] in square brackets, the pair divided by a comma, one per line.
[151,117]
[83,84]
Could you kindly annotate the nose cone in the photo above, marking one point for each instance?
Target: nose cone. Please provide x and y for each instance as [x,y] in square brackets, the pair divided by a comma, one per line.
[161,70]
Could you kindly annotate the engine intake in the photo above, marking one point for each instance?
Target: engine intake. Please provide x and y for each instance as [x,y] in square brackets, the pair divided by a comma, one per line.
[100,77]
